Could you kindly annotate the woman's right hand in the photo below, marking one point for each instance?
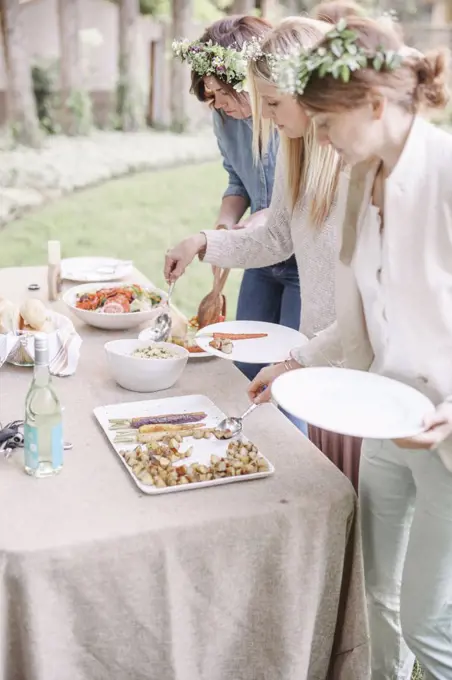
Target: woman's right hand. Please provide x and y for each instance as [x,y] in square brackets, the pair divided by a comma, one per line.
[178,258]
[259,389]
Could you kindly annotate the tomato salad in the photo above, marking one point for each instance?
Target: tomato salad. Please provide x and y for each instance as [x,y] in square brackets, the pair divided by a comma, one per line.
[120,300]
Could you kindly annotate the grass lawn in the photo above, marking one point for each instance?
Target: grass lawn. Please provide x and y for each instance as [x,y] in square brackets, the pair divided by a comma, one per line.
[138,218]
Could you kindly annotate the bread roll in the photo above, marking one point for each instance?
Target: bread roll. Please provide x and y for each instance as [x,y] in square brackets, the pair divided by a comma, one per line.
[34,314]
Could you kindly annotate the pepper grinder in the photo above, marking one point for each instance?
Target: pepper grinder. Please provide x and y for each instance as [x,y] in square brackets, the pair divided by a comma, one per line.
[54,269]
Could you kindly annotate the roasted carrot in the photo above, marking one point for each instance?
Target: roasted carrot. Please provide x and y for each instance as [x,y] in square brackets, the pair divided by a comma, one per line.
[239,336]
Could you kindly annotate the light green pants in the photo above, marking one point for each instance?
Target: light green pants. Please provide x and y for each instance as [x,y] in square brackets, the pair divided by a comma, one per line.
[406,512]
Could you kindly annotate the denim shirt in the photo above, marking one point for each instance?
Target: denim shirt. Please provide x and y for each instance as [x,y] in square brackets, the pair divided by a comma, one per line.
[248,178]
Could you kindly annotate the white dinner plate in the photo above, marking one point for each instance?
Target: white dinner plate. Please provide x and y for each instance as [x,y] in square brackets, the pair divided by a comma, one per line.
[276,347]
[353,403]
[94,269]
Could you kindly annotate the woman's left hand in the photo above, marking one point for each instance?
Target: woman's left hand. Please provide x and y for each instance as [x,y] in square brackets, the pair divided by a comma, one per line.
[438,427]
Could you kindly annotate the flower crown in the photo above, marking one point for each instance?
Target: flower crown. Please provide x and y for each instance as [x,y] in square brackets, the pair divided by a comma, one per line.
[225,63]
[339,57]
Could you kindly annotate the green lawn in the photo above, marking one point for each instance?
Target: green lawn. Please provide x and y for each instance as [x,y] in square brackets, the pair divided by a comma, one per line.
[137,217]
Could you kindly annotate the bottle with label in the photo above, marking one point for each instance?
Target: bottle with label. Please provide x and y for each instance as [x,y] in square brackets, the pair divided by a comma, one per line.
[54,269]
[43,430]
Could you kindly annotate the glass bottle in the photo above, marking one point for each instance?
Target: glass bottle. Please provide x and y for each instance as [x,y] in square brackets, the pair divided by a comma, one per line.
[43,430]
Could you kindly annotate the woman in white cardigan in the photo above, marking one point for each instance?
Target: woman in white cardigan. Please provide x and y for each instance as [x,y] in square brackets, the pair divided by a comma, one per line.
[394,317]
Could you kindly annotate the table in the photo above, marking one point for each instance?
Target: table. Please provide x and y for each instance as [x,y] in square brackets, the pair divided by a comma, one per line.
[253,581]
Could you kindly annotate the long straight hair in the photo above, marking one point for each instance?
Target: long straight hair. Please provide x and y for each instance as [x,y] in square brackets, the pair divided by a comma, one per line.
[312,170]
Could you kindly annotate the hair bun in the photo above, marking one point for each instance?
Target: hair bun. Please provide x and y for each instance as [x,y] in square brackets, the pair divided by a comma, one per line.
[431,71]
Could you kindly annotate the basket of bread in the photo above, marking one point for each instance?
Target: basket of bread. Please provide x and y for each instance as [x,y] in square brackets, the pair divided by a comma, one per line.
[20,323]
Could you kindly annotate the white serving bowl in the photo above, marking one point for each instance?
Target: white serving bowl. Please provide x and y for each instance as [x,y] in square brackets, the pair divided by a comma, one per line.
[109,322]
[144,375]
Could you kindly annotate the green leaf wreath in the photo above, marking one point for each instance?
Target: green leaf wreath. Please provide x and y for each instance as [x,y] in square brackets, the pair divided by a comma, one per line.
[339,58]
[208,59]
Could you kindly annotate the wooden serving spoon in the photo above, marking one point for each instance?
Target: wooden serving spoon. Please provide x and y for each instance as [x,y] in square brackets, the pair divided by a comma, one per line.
[213,305]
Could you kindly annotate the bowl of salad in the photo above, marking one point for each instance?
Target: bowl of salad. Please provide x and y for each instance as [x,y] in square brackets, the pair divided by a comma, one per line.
[111,307]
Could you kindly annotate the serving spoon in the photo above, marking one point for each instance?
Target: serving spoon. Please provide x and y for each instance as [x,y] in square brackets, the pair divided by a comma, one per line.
[233,426]
[161,330]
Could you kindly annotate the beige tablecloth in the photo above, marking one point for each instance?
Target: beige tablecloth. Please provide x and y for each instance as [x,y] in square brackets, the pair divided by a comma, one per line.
[252,581]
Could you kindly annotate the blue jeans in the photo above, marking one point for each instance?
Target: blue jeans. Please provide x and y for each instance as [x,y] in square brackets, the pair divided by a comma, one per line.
[270,294]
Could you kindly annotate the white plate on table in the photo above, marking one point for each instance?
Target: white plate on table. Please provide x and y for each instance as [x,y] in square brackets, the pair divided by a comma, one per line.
[110,322]
[203,449]
[276,347]
[95,269]
[354,403]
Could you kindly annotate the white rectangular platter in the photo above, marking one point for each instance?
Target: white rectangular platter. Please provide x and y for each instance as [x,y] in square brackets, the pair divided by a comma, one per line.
[202,448]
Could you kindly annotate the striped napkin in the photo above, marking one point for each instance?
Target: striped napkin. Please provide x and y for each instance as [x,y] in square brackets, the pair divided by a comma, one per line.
[64,347]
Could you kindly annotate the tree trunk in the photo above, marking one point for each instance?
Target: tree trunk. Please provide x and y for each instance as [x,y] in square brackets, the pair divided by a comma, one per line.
[182,13]
[21,102]
[269,9]
[130,98]
[243,6]
[75,109]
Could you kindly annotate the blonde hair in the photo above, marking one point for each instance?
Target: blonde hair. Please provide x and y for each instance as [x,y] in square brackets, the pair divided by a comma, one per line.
[311,170]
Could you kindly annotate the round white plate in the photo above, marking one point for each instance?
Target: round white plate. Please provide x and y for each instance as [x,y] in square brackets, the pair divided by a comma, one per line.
[94,269]
[108,322]
[353,403]
[274,348]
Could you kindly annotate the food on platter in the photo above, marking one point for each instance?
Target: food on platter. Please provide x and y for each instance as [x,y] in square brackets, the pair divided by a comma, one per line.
[119,300]
[154,352]
[223,342]
[160,463]
[149,433]
[239,336]
[222,345]
[163,427]
[188,340]
[189,345]
[32,315]
[168,419]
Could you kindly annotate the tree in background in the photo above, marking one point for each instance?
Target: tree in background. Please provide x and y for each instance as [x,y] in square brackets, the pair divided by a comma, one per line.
[243,7]
[182,15]
[21,105]
[130,103]
[75,112]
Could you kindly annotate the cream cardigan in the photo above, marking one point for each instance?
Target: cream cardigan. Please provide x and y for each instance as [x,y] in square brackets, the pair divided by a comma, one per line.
[284,234]
[418,229]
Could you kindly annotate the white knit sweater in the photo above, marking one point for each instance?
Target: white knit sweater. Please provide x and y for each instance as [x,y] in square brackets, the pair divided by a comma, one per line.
[282,236]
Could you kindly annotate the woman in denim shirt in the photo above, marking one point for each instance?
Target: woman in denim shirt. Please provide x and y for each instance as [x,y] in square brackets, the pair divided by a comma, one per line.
[269,293]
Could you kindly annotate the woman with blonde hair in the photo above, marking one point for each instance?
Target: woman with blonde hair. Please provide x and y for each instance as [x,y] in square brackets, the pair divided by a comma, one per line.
[301,216]
[364,90]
